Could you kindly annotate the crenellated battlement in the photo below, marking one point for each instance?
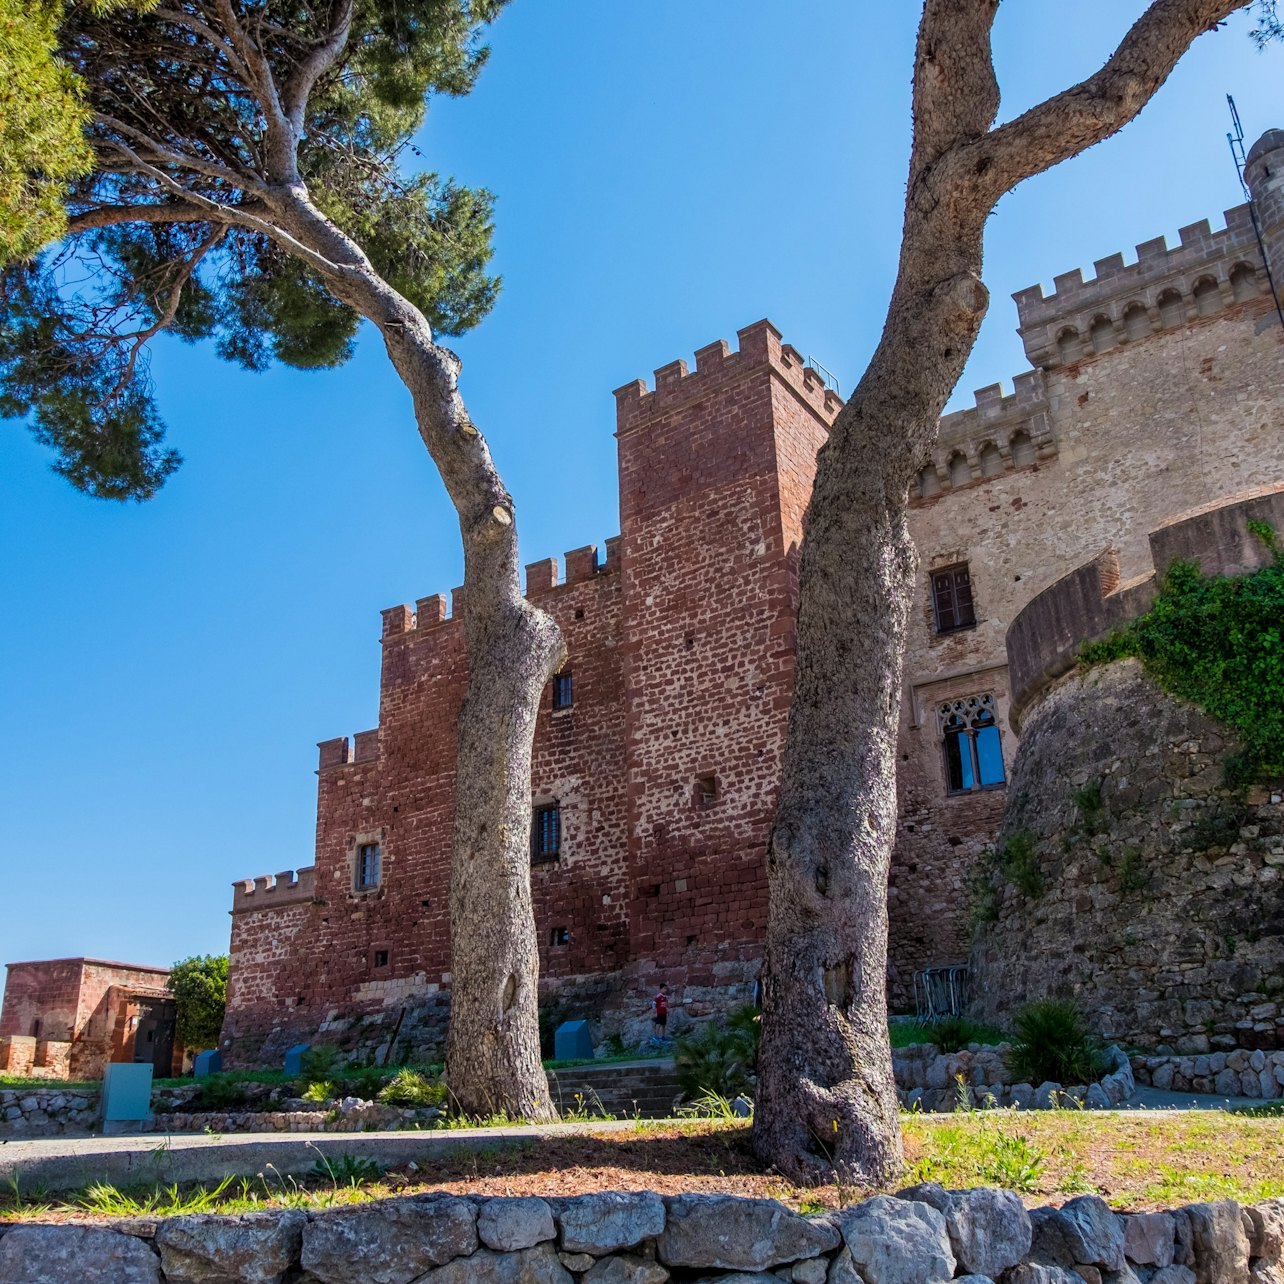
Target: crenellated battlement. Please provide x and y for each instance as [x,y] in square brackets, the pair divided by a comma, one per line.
[1005,431]
[716,364]
[271,891]
[1206,273]
[429,612]
[1044,640]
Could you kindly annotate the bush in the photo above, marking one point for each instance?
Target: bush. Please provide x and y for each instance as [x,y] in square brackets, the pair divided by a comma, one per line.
[410,1088]
[1053,1044]
[954,1033]
[1216,641]
[218,1093]
[1018,858]
[722,1058]
[199,986]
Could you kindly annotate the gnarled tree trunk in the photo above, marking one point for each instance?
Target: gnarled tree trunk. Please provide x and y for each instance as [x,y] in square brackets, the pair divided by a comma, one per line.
[826,1101]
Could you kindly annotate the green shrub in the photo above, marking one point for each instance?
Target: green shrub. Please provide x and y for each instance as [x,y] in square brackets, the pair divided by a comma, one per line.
[318,1064]
[199,986]
[218,1093]
[1052,1043]
[954,1033]
[722,1058]
[1091,808]
[321,1090]
[1132,873]
[1018,858]
[1218,642]
[410,1088]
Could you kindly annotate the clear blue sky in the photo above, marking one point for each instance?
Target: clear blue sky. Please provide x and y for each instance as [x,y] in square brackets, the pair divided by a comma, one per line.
[667,173]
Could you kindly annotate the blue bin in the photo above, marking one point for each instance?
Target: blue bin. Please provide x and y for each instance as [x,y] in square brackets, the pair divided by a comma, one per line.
[573,1041]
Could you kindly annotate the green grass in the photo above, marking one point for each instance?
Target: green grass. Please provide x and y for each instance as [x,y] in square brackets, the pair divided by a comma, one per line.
[960,1030]
[54,1085]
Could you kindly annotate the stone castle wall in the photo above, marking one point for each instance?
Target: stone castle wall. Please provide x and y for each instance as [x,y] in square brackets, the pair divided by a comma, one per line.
[1162,911]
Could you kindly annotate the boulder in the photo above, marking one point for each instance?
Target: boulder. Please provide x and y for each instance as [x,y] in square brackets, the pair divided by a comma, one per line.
[811,1271]
[1083,1230]
[608,1221]
[530,1266]
[1042,1273]
[626,1269]
[1173,1275]
[578,1262]
[393,1241]
[86,1254]
[1218,1242]
[1045,1095]
[257,1248]
[897,1241]
[989,1230]
[507,1225]
[1149,1238]
[1266,1229]
[739,1234]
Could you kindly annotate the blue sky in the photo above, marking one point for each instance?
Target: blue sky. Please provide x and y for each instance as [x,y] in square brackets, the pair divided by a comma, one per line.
[666,173]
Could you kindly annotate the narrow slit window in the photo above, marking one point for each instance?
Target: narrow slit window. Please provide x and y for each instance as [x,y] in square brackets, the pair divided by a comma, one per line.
[368,867]
[381,958]
[706,791]
[546,833]
[559,936]
[563,692]
[952,598]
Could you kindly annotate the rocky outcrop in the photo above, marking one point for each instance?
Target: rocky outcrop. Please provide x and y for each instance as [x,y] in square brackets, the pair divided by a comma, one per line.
[924,1235]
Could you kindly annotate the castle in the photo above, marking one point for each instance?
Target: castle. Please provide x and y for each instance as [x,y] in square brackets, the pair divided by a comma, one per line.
[1157,386]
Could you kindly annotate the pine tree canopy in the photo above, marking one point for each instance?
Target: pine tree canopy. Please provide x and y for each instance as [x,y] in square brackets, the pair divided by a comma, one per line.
[211,168]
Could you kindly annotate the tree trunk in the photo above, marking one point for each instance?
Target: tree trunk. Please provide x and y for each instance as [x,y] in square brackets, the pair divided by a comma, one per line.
[826,1098]
[492,1052]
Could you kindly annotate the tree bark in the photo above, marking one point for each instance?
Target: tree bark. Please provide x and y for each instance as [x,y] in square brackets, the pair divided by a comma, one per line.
[826,1102]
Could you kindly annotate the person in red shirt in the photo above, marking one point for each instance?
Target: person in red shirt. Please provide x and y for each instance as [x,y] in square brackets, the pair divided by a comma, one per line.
[661,1010]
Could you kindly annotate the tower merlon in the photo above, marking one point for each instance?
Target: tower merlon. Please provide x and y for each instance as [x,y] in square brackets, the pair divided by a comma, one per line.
[581,563]
[541,576]
[271,891]
[760,346]
[1126,301]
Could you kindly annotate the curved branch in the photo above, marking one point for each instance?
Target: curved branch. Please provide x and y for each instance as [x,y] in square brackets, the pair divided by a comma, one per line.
[1091,111]
[114,215]
[180,160]
[316,64]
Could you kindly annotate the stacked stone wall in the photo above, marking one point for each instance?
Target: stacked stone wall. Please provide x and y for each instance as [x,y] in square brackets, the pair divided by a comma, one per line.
[1161,908]
[925,1234]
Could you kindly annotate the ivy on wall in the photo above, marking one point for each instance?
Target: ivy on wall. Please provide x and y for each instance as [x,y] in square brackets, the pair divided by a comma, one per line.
[1218,641]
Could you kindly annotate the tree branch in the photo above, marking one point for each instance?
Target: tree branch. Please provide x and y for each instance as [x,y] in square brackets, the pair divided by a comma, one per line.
[114,215]
[1088,112]
[193,24]
[316,64]
[956,93]
[181,160]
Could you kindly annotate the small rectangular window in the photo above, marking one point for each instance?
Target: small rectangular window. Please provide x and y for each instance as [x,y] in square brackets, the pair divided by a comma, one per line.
[952,598]
[367,871]
[706,791]
[546,833]
[973,750]
[563,695]
[560,936]
[381,958]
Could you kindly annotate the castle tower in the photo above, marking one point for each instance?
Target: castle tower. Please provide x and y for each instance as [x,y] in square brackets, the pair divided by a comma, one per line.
[1264,173]
[716,467]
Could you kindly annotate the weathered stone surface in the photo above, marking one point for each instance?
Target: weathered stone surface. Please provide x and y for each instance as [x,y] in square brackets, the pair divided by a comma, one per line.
[83,1254]
[257,1248]
[612,1220]
[538,1265]
[627,1269]
[1149,1238]
[842,1270]
[811,1271]
[395,1241]
[1173,1275]
[989,1230]
[1042,1273]
[739,1234]
[1219,1243]
[577,1261]
[510,1224]
[897,1241]
[1084,1231]
[1266,1229]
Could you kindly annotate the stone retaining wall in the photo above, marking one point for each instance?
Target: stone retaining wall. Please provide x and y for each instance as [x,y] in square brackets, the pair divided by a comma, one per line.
[925,1235]
[1238,1073]
[978,1076]
[37,1112]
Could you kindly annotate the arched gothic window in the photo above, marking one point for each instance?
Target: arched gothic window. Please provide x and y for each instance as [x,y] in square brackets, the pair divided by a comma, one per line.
[970,737]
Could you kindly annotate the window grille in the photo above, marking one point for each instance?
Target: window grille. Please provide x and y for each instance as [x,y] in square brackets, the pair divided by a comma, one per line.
[952,598]
[973,749]
[559,936]
[368,862]
[546,833]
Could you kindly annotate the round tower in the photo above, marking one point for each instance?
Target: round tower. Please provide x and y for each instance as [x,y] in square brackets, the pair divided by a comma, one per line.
[1264,173]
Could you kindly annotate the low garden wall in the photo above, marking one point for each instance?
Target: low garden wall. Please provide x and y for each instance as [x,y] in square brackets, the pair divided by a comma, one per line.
[925,1235]
[978,1076]
[1238,1073]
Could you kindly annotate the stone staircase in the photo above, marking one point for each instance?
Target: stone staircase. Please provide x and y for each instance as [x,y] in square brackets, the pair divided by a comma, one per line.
[625,1089]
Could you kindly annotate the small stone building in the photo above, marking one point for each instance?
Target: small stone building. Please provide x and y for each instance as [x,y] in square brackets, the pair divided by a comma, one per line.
[68,1018]
[1155,386]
